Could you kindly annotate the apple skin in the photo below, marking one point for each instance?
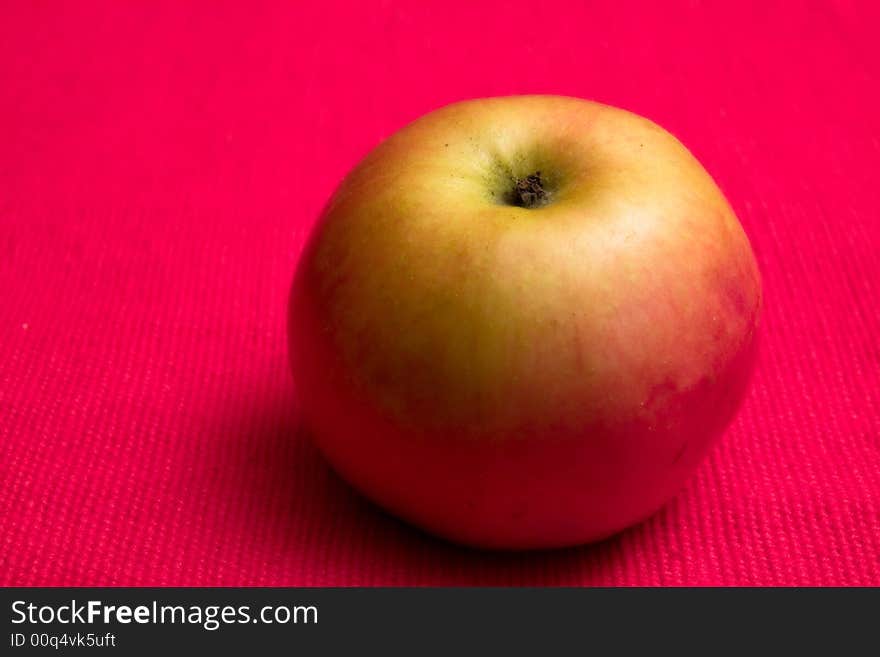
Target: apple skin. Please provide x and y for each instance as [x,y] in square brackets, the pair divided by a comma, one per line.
[516,378]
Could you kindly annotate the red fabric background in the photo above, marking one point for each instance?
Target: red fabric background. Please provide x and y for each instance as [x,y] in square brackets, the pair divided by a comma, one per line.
[161,163]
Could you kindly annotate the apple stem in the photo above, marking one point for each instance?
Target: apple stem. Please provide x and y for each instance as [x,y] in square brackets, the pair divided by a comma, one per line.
[529,192]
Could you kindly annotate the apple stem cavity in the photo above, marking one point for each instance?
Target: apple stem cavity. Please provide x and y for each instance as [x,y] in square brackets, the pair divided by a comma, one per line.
[529,192]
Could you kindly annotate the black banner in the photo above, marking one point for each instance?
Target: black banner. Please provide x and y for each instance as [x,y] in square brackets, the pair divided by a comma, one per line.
[415,620]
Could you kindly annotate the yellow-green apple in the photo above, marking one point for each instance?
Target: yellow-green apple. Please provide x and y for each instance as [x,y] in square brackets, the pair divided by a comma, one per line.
[521,322]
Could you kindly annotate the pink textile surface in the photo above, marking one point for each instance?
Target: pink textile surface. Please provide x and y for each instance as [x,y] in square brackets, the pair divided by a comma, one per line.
[161,163]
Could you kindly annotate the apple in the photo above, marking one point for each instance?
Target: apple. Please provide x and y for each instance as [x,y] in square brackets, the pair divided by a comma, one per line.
[521,322]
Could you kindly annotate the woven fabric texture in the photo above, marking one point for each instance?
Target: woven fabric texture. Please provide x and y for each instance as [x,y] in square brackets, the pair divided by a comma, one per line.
[161,163]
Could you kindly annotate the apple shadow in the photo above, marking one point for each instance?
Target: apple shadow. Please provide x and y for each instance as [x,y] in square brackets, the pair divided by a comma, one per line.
[288,509]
